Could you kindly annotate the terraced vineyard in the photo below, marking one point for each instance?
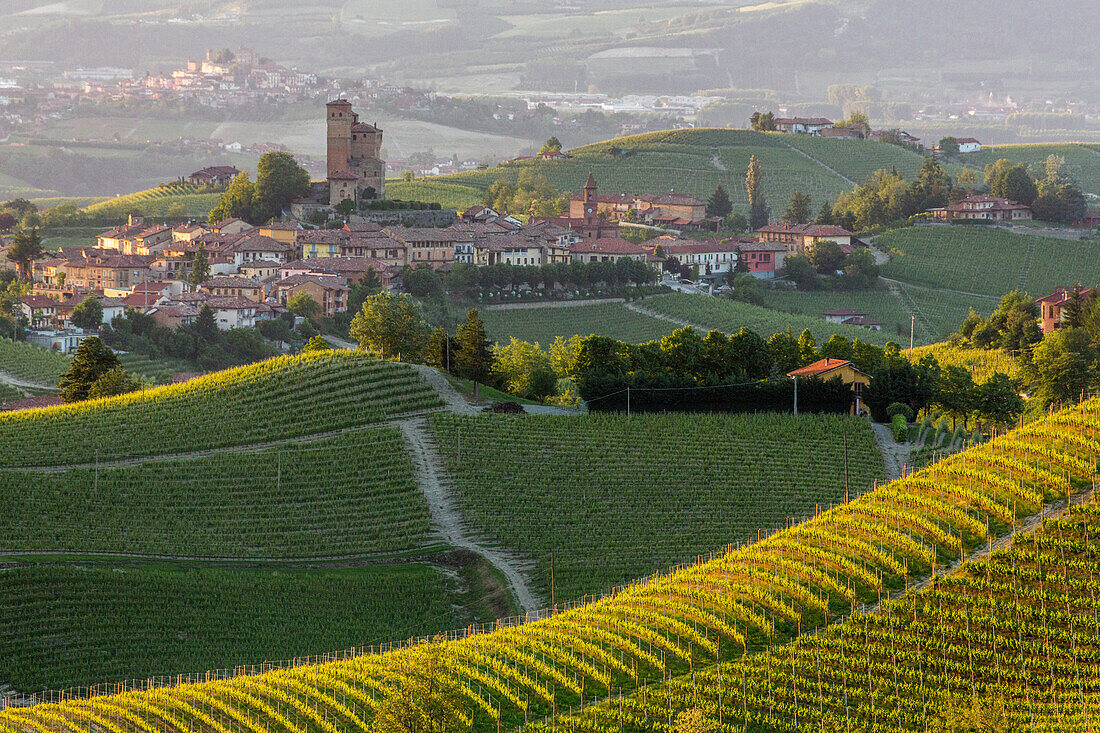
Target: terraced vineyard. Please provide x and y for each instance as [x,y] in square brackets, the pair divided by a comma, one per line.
[730,316]
[30,362]
[612,514]
[1082,159]
[84,622]
[748,599]
[543,325]
[857,160]
[155,371]
[297,501]
[176,200]
[987,261]
[275,399]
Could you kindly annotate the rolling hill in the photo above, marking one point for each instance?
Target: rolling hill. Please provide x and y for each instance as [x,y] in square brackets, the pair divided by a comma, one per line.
[902,626]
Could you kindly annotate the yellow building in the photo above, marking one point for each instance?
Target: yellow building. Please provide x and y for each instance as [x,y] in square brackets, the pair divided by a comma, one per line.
[826,369]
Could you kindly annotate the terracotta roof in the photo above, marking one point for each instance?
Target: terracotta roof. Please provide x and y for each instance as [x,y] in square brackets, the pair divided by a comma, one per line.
[1062,294]
[761,247]
[688,247]
[229,281]
[422,234]
[860,321]
[31,403]
[822,366]
[283,226]
[607,245]
[809,230]
[38,301]
[259,243]
[363,227]
[336,264]
[591,182]
[364,127]
[339,102]
[331,282]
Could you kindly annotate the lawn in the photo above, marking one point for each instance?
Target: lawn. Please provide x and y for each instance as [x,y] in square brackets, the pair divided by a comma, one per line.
[615,499]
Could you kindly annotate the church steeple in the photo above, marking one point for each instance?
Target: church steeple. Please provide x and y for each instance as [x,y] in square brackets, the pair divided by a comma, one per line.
[591,200]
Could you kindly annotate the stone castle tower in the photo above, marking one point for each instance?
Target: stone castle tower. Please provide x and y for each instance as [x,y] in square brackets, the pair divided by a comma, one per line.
[355,166]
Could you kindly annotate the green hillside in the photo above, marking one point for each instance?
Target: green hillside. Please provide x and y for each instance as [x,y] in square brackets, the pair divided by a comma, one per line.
[276,399]
[1014,632]
[1082,160]
[543,325]
[71,623]
[985,261]
[177,200]
[612,513]
[687,161]
[298,500]
[731,316]
[30,362]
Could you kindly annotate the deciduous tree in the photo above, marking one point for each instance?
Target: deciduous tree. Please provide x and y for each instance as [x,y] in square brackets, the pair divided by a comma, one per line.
[87,314]
[279,180]
[391,326]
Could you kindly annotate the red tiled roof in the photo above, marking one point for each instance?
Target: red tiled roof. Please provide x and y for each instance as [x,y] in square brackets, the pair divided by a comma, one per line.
[331,282]
[822,366]
[607,245]
[38,301]
[31,403]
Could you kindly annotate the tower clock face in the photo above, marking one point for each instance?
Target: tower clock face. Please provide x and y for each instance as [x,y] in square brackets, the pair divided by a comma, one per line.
[590,210]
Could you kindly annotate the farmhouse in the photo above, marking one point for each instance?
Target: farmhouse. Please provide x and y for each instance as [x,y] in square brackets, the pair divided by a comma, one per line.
[666,208]
[804,125]
[800,238]
[1052,307]
[39,310]
[826,369]
[215,175]
[983,208]
[969,145]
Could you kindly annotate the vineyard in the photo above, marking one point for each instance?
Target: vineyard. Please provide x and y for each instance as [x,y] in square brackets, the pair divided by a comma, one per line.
[731,316]
[611,510]
[1018,628]
[175,200]
[297,501]
[543,325]
[154,371]
[981,363]
[686,161]
[985,261]
[1082,159]
[279,398]
[80,623]
[30,362]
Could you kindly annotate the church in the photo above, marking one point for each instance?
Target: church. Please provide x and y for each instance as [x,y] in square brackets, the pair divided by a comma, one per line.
[356,170]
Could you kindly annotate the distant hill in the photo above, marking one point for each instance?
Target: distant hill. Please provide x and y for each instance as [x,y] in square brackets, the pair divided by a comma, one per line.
[695,161]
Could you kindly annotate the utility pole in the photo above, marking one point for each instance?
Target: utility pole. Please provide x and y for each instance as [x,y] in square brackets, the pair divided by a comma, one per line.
[795,378]
[845,468]
[912,322]
[553,595]
[628,403]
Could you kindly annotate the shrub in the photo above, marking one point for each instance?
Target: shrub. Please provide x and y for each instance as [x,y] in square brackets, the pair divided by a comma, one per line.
[900,428]
[900,408]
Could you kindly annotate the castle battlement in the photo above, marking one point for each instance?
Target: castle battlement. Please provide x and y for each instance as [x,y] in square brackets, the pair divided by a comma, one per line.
[355,166]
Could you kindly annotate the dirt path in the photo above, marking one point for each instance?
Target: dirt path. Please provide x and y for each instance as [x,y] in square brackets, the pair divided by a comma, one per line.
[446,519]
[829,168]
[661,316]
[455,401]
[894,454]
[718,163]
[24,383]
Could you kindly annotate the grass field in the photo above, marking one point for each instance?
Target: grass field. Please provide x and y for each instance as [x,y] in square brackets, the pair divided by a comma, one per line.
[179,200]
[869,648]
[987,261]
[299,500]
[543,325]
[731,316]
[616,499]
[78,623]
[278,398]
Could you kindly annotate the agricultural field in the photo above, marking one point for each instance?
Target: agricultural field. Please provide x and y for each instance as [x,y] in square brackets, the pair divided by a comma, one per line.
[284,397]
[176,200]
[686,161]
[299,500]
[543,325]
[810,584]
[79,623]
[1082,159]
[154,371]
[880,305]
[731,316]
[30,362]
[985,261]
[612,513]
[981,363]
